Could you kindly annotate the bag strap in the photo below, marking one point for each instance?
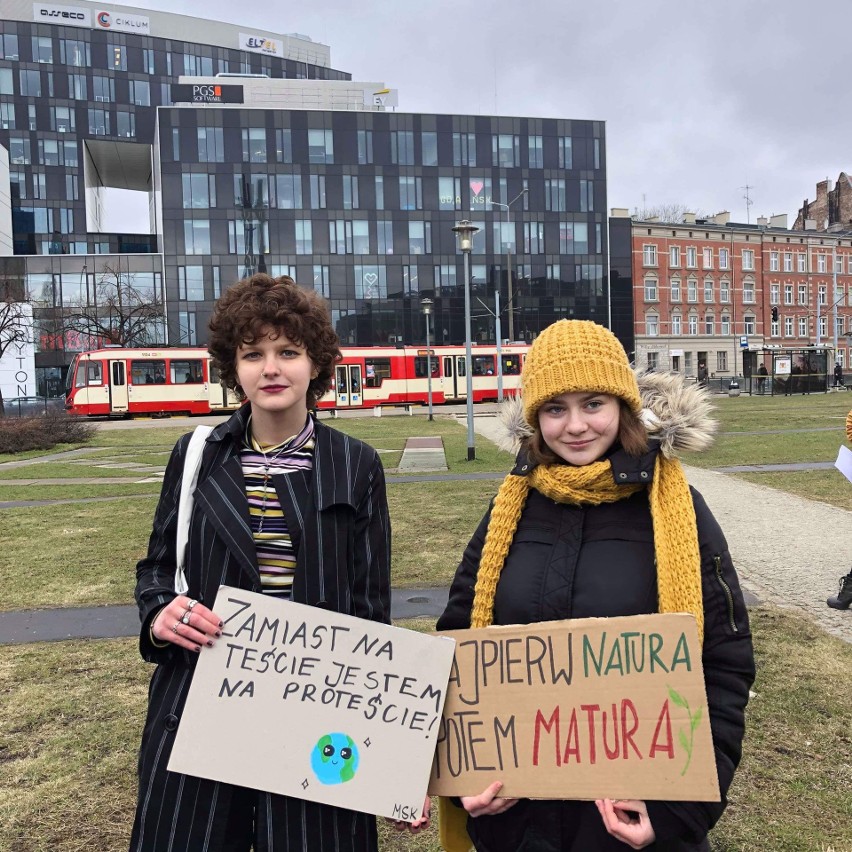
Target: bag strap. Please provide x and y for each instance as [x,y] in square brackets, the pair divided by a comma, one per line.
[189,479]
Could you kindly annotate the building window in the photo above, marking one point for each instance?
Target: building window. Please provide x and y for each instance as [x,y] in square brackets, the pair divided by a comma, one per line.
[321,280]
[217,282]
[384,236]
[464,149]
[566,156]
[99,124]
[788,294]
[199,191]
[370,282]
[9,46]
[574,238]
[820,263]
[773,261]
[254,144]
[707,257]
[116,57]
[429,148]
[449,193]
[823,326]
[725,325]
[42,49]
[708,290]
[675,283]
[480,193]
[140,92]
[506,150]
[722,361]
[652,325]
[211,145]
[554,196]
[147,60]
[803,326]
[748,324]
[587,196]
[445,277]
[649,255]
[320,147]
[677,325]
[186,328]
[533,237]
[30,83]
[318,197]
[822,294]
[801,262]
[650,289]
[788,326]
[402,147]
[788,261]
[535,152]
[288,192]
[838,264]
[723,258]
[748,260]
[748,291]
[365,147]
[709,323]
[196,236]
[284,146]
[419,237]
[838,326]
[74,52]
[191,283]
[774,328]
[125,124]
[693,324]
[691,257]
[410,193]
[304,237]
[774,294]
[803,294]
[674,256]
[103,88]
[691,290]
[63,119]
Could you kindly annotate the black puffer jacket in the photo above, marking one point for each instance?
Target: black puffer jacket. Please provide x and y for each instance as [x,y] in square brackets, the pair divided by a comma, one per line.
[591,561]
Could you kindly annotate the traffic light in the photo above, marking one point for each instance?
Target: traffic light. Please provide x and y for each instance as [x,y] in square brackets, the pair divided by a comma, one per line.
[774,314]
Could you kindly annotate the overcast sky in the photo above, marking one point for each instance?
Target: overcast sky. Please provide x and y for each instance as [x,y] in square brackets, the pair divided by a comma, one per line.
[699,99]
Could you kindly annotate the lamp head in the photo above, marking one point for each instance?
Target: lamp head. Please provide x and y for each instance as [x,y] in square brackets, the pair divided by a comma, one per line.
[426,305]
[464,231]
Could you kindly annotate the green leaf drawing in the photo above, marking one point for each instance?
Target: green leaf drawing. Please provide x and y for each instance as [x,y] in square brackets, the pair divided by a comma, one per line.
[686,742]
[678,699]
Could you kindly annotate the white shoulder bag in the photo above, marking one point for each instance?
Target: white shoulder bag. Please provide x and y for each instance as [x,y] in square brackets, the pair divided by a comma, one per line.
[191,466]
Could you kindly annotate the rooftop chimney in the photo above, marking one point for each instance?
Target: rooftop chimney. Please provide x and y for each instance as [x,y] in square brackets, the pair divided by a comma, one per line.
[722,218]
[688,218]
[619,213]
[810,224]
[762,221]
[778,221]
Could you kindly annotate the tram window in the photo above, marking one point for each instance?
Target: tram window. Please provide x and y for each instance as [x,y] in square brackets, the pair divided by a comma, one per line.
[148,372]
[483,365]
[511,365]
[375,371]
[186,372]
[89,373]
[421,368]
[117,373]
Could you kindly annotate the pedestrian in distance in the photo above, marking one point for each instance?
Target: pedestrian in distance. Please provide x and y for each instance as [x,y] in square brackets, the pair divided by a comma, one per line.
[762,373]
[284,505]
[597,519]
[838,376]
[843,598]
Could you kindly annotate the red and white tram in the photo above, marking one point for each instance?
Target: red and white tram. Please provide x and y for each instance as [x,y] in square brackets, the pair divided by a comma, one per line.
[162,381]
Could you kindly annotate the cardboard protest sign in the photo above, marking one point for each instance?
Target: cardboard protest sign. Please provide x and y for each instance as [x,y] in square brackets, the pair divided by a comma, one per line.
[313,704]
[579,709]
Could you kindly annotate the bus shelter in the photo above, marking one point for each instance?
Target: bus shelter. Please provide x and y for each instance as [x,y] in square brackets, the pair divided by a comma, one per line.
[788,371]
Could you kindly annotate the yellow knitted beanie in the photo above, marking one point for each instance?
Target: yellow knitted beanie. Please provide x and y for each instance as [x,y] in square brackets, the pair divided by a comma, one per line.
[576,355]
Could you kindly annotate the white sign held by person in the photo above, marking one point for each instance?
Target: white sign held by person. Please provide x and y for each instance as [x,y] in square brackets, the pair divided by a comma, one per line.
[317,705]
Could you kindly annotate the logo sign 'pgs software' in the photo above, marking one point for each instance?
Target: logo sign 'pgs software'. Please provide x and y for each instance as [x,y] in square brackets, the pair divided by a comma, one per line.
[206,93]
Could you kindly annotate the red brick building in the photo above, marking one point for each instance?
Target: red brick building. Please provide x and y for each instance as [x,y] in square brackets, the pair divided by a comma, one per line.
[706,290]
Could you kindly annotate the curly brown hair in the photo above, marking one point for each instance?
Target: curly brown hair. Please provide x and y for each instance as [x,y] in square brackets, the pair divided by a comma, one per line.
[251,308]
[632,436]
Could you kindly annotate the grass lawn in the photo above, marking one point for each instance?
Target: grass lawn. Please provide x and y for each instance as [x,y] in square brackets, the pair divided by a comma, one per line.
[73,712]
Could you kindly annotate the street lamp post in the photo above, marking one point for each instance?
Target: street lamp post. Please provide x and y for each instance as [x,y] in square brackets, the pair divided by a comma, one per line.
[426,307]
[464,231]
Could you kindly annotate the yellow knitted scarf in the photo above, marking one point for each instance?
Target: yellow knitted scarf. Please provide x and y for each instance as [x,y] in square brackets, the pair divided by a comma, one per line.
[672,514]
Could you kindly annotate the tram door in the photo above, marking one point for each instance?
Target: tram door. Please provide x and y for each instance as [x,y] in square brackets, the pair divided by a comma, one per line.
[217,395]
[454,376]
[347,385]
[118,399]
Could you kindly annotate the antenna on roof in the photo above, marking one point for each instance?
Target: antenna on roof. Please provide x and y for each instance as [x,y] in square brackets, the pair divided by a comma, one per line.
[748,202]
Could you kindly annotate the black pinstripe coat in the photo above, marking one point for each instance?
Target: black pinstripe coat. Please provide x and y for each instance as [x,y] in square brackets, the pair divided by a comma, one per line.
[338,518]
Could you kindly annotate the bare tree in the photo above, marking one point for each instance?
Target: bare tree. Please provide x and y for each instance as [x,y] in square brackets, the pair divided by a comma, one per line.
[673,212]
[119,311]
[15,324]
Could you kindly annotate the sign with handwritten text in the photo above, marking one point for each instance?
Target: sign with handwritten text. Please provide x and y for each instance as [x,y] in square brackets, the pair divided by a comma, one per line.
[313,704]
[578,709]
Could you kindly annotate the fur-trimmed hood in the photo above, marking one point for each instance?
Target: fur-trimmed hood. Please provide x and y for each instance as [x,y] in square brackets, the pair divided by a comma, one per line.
[675,412]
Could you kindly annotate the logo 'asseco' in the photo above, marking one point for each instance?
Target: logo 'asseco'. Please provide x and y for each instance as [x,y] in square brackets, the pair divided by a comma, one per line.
[60,13]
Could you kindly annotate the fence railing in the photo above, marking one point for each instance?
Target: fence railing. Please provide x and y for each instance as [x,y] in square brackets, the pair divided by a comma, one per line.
[32,406]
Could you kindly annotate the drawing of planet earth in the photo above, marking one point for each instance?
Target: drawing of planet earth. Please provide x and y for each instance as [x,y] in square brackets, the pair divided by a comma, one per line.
[334,759]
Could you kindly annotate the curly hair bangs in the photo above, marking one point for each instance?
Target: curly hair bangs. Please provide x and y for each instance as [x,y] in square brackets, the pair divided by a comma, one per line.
[260,304]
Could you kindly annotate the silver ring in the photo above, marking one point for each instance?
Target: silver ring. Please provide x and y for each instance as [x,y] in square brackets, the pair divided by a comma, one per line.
[191,604]
[175,627]
[184,619]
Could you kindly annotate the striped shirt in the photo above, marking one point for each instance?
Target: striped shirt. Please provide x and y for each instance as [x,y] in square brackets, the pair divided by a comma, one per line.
[276,556]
